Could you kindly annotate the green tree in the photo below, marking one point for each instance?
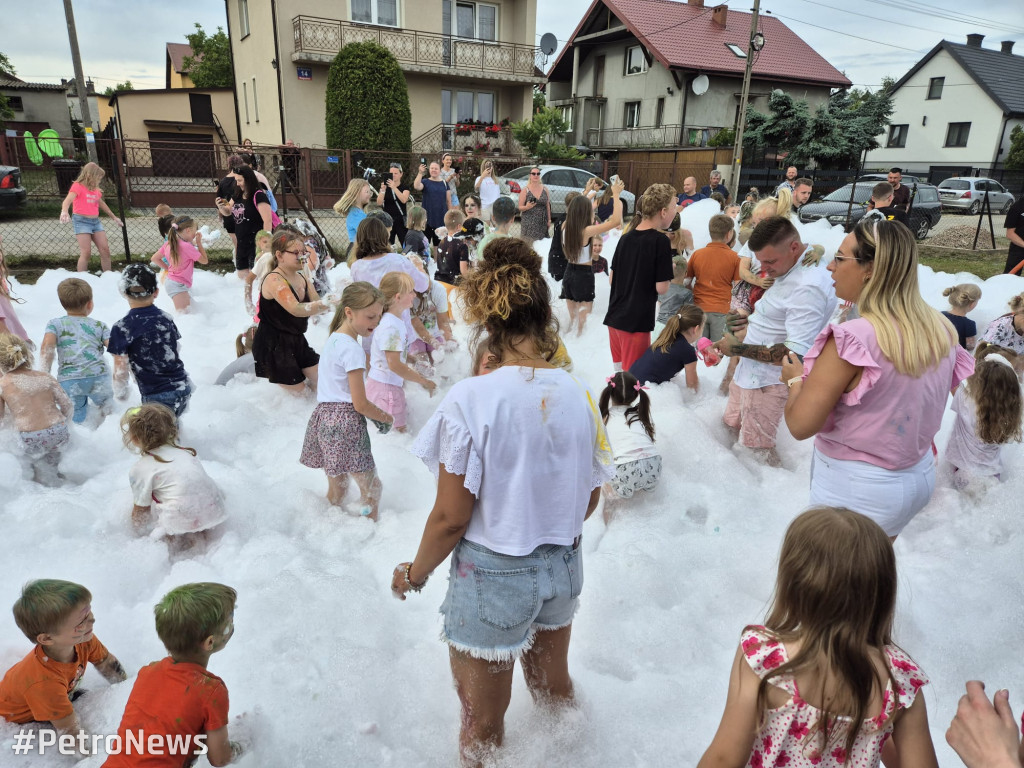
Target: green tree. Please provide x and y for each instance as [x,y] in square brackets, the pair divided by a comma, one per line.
[125,86]
[6,68]
[1015,157]
[539,100]
[367,105]
[209,66]
[544,135]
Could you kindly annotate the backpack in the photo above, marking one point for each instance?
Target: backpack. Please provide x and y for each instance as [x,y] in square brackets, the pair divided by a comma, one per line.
[557,262]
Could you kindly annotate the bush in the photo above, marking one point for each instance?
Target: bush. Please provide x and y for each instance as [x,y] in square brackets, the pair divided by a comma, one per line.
[544,135]
[724,138]
[367,105]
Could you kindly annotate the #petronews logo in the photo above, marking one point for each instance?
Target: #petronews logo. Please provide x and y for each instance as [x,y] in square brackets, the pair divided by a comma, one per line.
[133,743]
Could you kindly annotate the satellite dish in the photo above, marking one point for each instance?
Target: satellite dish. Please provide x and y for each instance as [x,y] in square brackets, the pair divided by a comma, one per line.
[548,43]
[700,85]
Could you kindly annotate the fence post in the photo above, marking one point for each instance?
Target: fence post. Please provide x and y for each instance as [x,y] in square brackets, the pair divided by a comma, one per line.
[119,180]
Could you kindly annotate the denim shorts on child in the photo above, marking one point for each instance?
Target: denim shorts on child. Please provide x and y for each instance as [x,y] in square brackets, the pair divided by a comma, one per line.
[175,399]
[82,390]
[86,225]
[496,603]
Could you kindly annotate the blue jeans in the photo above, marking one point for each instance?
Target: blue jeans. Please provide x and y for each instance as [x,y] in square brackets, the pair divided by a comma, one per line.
[175,399]
[81,391]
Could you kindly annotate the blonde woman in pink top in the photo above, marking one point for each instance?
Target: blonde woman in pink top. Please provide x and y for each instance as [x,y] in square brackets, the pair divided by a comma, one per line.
[874,389]
[85,200]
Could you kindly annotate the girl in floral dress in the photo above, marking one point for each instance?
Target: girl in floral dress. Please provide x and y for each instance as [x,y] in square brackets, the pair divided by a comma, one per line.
[821,684]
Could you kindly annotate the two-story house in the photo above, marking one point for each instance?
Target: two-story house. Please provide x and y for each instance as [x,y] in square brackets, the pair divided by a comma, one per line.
[955,109]
[462,60]
[660,73]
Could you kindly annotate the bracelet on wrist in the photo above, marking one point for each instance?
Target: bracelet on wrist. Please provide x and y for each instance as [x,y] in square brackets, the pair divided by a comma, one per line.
[794,380]
[412,586]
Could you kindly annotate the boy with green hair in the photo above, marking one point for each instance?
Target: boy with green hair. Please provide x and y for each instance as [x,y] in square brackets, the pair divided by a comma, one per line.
[57,616]
[177,697]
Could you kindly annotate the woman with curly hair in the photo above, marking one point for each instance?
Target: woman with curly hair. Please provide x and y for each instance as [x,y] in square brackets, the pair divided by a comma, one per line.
[513,532]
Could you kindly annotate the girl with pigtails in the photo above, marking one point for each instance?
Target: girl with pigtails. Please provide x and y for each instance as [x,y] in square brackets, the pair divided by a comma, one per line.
[626,411]
[179,255]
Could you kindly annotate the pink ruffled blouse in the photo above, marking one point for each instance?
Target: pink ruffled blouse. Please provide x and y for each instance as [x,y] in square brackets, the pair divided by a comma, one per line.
[889,419]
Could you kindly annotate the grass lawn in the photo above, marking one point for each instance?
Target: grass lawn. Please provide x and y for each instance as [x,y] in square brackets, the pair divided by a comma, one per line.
[984,264]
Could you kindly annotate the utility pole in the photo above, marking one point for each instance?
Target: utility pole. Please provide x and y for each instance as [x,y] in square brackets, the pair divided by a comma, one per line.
[83,95]
[737,152]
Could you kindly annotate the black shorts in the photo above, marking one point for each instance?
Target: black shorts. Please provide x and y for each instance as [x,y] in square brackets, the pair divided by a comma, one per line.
[280,357]
[245,252]
[229,223]
[578,283]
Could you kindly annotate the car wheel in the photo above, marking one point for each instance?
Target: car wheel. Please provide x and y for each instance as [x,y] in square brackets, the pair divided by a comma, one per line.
[922,229]
[975,208]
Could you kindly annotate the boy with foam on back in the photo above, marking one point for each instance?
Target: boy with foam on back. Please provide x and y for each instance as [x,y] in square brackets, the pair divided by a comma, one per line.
[56,616]
[177,697]
[146,339]
[79,343]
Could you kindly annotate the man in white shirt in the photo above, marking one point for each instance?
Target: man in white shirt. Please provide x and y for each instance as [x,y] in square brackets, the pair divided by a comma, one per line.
[790,181]
[787,319]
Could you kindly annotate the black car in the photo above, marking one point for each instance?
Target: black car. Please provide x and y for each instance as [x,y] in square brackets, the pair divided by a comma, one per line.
[924,214]
[12,194]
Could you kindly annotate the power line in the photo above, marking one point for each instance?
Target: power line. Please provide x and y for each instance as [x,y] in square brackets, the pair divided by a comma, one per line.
[961,18]
[860,14]
[846,34]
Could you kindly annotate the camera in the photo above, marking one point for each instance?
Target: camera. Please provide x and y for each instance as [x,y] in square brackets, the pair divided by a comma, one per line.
[369,173]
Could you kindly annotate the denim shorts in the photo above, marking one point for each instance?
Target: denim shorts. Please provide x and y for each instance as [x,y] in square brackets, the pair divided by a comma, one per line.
[497,603]
[86,225]
[82,390]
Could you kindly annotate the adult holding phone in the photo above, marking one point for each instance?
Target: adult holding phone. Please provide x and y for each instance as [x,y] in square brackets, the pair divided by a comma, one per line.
[437,198]
[392,197]
[450,176]
[534,209]
[488,187]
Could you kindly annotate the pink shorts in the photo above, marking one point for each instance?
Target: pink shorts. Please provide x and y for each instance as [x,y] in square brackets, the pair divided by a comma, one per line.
[627,347]
[756,413]
[389,398]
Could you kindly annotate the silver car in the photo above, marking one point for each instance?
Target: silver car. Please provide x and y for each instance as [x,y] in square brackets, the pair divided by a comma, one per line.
[560,181]
[968,194]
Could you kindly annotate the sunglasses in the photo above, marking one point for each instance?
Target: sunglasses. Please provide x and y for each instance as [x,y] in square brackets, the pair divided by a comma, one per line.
[535,173]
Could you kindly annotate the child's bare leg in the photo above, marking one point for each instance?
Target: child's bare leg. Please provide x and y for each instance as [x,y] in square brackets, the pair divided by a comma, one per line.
[574,310]
[370,489]
[84,251]
[181,301]
[585,309]
[337,487]
[100,238]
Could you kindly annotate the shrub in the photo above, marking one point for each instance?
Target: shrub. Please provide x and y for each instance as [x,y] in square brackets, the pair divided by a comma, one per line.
[367,105]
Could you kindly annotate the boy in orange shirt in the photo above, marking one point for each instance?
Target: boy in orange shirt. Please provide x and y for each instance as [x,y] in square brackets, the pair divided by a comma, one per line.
[176,699]
[56,616]
[711,272]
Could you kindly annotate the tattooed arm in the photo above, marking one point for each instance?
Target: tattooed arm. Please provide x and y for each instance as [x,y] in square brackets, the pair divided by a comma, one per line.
[733,347]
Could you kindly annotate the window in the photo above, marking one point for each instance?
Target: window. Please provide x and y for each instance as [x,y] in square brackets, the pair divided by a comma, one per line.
[15,103]
[897,136]
[255,101]
[928,195]
[567,116]
[245,98]
[659,114]
[201,107]
[469,105]
[632,119]
[560,178]
[599,76]
[582,177]
[956,134]
[635,62]
[935,87]
[382,12]
[736,50]
[243,17]
[474,21]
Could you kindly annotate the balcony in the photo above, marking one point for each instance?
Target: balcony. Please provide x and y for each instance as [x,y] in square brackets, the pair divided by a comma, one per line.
[318,41]
[648,137]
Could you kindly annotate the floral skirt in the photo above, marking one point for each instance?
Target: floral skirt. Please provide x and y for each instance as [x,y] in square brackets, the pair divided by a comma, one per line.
[337,440]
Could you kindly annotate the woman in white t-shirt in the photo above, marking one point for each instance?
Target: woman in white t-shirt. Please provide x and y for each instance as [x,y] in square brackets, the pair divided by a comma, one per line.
[513,532]
[337,439]
[489,189]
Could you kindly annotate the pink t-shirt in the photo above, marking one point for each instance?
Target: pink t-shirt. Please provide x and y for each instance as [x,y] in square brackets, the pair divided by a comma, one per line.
[889,419]
[188,254]
[10,319]
[87,201]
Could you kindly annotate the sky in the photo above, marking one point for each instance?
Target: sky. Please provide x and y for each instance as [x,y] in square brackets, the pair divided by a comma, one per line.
[867,40]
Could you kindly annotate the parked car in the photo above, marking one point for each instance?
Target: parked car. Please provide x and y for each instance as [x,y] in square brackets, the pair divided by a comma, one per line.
[877,177]
[924,214]
[968,194]
[560,181]
[12,194]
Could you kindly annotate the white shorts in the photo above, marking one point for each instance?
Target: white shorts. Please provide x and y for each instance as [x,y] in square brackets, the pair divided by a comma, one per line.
[890,497]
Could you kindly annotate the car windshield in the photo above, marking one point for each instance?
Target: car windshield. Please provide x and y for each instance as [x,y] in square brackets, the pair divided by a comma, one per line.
[518,173]
[861,194]
[955,184]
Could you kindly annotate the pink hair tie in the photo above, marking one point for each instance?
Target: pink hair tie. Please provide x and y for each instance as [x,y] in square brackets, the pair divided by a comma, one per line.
[638,386]
[174,225]
[610,380]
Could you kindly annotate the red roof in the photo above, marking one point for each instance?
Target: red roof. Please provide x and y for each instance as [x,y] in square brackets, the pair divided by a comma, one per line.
[177,52]
[684,36]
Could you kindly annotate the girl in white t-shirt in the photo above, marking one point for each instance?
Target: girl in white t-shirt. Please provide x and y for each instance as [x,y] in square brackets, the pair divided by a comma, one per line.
[389,350]
[988,407]
[626,410]
[337,439]
[168,480]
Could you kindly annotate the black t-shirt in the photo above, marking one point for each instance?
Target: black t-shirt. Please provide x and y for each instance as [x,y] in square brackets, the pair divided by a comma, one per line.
[1015,221]
[394,207]
[901,198]
[449,254]
[248,221]
[228,190]
[889,213]
[965,327]
[656,367]
[642,259]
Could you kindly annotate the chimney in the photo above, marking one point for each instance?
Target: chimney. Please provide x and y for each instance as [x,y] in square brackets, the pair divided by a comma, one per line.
[1006,47]
[974,41]
[718,15]
[697,3]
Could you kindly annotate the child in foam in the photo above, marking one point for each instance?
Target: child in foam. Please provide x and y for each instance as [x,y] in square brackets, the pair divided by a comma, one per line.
[1008,330]
[963,299]
[168,481]
[176,697]
[673,352]
[178,256]
[40,408]
[56,616]
[791,699]
[85,200]
[626,411]
[9,322]
[79,343]
[337,439]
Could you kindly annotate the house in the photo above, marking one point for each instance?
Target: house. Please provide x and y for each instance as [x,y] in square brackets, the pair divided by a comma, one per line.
[955,110]
[36,106]
[75,104]
[176,73]
[461,60]
[659,73]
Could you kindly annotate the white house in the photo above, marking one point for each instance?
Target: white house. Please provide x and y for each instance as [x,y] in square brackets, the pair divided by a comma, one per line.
[955,109]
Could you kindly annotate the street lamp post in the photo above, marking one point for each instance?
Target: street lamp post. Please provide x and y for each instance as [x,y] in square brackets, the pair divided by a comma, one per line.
[755,44]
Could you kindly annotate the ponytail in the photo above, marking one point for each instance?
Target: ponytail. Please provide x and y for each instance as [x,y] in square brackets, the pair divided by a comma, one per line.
[174,239]
[622,389]
[689,316]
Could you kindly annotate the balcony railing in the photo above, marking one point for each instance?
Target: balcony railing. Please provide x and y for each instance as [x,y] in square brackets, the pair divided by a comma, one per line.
[319,39]
[651,136]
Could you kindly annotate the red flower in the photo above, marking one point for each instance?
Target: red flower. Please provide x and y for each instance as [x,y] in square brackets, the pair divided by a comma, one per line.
[916,683]
[839,754]
[767,743]
[751,645]
[756,760]
[782,759]
[773,659]
[798,729]
[906,666]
